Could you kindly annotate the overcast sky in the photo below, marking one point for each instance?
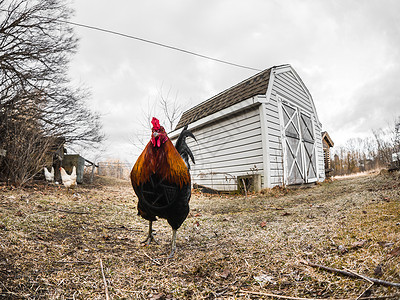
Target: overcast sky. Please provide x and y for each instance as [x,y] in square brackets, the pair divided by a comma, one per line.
[346,52]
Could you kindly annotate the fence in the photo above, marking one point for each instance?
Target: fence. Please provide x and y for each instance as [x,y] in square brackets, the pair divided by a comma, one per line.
[115,169]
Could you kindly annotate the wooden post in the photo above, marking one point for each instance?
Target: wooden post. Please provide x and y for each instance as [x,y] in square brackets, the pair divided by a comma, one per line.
[92,175]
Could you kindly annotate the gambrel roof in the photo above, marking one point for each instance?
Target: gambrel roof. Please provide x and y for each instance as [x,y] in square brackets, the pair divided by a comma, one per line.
[255,85]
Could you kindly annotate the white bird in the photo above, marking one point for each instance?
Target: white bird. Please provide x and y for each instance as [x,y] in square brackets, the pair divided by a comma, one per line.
[49,175]
[68,181]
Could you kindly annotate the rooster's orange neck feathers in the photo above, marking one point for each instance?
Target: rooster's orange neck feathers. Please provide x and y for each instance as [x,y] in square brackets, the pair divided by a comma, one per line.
[163,160]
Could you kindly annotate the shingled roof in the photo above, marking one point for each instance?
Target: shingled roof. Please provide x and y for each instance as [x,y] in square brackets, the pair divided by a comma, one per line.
[255,85]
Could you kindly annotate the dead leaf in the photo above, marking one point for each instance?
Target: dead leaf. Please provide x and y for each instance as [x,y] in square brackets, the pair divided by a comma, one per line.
[263,224]
[263,279]
[225,274]
[342,249]
[385,244]
[395,252]
[358,244]
[196,224]
[378,271]
[19,214]
[159,296]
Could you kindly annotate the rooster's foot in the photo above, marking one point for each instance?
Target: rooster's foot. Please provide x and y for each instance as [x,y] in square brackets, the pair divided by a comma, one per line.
[171,255]
[150,236]
[148,240]
[173,244]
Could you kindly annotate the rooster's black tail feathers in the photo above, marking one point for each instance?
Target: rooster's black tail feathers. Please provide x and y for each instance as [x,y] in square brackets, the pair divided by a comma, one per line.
[183,148]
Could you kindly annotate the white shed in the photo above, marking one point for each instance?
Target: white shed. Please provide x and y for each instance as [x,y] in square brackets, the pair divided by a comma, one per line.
[265,130]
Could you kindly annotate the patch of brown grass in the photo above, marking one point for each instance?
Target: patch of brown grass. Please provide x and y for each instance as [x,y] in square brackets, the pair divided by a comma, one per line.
[51,243]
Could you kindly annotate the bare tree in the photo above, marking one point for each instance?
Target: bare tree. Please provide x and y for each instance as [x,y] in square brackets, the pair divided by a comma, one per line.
[36,45]
[387,143]
[396,148]
[166,108]
[368,153]
[26,152]
[171,109]
[141,138]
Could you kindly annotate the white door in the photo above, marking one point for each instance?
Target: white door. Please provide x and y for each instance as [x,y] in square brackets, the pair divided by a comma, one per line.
[298,144]
[308,138]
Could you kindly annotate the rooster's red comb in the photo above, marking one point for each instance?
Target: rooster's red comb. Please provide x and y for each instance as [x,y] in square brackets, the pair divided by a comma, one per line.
[156,123]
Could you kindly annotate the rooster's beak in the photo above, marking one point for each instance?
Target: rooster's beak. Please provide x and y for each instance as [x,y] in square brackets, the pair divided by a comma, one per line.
[155,134]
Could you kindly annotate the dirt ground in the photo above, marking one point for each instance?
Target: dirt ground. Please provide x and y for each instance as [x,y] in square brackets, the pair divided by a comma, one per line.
[55,245]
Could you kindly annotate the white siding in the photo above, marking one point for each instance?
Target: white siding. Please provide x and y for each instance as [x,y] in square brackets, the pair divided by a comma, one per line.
[320,153]
[226,149]
[274,141]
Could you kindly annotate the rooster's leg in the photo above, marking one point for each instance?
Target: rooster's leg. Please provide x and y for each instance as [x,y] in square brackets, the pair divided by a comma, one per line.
[173,244]
[150,236]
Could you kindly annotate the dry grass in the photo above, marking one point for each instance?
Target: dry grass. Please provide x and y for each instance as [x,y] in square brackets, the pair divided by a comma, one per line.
[51,243]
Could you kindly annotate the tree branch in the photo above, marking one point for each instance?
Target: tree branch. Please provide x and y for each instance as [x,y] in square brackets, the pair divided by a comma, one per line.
[350,274]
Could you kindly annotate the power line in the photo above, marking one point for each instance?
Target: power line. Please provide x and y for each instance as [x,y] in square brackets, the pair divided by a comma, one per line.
[159,44]
[150,42]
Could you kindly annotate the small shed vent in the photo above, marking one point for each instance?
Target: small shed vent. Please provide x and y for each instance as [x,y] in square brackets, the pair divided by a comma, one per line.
[249,183]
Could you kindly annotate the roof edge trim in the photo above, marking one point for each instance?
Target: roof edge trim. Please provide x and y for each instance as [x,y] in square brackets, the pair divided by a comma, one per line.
[253,101]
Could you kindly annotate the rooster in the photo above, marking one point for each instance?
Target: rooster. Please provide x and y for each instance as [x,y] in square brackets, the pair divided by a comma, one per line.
[68,181]
[161,180]
[49,175]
